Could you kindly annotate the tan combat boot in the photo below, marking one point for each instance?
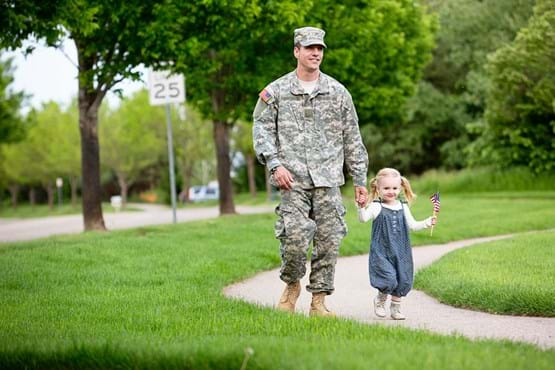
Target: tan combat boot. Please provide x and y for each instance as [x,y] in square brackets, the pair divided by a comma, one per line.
[289,297]
[317,307]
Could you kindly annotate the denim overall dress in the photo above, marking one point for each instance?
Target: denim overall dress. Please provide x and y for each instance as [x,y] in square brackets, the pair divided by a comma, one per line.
[390,262]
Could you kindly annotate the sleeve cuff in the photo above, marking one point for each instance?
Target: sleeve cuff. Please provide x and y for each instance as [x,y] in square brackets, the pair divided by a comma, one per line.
[273,163]
[359,181]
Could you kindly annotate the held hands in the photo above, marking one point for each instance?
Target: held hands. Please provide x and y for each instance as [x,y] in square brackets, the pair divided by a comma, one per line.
[361,196]
[283,178]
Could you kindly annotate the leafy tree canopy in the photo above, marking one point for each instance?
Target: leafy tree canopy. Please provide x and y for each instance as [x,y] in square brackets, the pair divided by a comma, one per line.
[521,102]
[378,50]
[11,122]
[112,38]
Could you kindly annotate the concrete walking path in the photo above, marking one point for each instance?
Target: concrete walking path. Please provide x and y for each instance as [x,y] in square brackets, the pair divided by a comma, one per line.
[353,295]
[151,214]
[353,299]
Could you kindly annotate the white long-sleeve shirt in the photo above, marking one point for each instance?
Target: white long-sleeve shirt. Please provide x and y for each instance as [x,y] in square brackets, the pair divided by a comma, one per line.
[373,209]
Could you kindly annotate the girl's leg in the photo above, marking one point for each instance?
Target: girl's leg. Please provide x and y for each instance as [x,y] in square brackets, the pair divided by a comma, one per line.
[395,308]
[379,304]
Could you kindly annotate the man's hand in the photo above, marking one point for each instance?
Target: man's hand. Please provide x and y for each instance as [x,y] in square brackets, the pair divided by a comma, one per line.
[361,196]
[283,178]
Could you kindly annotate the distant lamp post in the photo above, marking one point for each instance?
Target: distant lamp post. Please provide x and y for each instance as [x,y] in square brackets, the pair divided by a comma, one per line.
[59,184]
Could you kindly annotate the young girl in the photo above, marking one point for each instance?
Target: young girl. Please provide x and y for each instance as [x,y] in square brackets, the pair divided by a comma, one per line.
[390,261]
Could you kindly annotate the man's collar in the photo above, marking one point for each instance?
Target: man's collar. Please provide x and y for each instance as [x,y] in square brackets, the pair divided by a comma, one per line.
[322,87]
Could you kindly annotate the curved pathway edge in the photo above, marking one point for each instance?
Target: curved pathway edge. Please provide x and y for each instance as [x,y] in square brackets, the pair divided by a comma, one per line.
[353,298]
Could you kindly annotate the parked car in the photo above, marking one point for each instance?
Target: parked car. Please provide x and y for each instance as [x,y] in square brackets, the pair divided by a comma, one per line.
[202,193]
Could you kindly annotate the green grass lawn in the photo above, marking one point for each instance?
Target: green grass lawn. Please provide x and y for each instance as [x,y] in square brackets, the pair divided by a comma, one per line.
[514,276]
[152,298]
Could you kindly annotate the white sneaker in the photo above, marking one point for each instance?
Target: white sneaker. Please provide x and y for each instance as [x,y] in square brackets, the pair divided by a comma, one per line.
[395,309]
[379,304]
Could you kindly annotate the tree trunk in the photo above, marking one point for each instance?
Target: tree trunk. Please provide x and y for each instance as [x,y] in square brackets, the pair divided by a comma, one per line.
[89,102]
[250,174]
[32,197]
[49,187]
[14,190]
[187,174]
[73,184]
[123,190]
[90,164]
[221,139]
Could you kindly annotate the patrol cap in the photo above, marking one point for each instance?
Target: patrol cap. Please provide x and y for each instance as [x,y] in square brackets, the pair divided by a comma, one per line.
[307,36]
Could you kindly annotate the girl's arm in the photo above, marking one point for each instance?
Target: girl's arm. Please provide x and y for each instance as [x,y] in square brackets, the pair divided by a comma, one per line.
[413,224]
[370,212]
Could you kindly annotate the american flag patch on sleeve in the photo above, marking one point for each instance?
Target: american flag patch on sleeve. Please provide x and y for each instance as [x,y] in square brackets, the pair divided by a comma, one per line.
[265,96]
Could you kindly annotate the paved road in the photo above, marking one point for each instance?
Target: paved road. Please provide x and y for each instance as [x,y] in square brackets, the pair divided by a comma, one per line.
[27,229]
[353,295]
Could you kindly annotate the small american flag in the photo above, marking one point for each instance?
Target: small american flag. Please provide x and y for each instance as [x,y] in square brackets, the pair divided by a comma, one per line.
[435,201]
[265,95]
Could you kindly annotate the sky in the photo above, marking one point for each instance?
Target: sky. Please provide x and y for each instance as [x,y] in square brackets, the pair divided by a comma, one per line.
[49,74]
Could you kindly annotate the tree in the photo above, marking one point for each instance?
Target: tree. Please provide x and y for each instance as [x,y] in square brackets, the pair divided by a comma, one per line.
[194,149]
[67,163]
[520,116]
[445,115]
[131,140]
[425,137]
[229,65]
[378,50]
[45,147]
[112,38]
[243,143]
[11,123]
[28,162]
[237,47]
[13,168]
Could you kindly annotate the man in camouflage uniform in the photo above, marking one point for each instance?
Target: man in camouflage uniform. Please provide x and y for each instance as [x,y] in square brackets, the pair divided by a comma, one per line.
[305,130]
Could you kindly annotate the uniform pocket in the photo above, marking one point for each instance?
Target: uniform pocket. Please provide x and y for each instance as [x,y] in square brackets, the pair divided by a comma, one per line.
[291,118]
[341,212]
[284,218]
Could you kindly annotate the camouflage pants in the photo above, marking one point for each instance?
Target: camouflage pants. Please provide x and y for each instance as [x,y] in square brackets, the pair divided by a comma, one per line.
[307,215]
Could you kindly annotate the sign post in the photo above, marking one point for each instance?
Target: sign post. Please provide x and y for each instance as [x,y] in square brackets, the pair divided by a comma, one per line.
[59,184]
[165,88]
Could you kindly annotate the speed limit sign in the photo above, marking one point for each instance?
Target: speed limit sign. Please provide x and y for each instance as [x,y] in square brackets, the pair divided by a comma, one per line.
[165,87]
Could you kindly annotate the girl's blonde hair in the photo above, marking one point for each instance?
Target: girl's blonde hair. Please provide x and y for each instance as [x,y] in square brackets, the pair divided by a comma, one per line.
[391,172]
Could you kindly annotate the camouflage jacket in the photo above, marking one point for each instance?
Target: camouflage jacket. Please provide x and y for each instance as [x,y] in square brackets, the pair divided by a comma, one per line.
[312,135]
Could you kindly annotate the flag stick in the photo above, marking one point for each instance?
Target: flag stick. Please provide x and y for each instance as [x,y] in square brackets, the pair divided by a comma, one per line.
[434,213]
[435,201]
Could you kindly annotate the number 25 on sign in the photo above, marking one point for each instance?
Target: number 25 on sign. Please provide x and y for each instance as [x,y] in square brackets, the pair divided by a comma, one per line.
[165,87]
